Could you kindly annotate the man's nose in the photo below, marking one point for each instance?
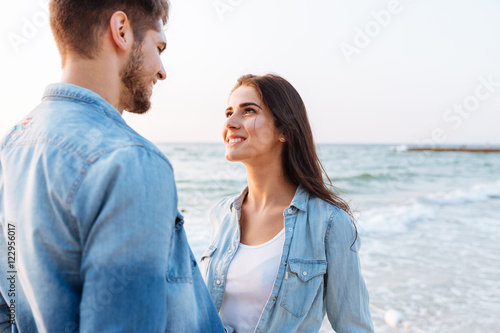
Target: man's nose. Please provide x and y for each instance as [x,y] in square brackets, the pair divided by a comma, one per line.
[162,75]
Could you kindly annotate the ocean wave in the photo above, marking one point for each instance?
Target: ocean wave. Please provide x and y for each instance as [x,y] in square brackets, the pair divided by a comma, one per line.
[390,220]
[365,176]
[478,193]
[399,148]
[362,176]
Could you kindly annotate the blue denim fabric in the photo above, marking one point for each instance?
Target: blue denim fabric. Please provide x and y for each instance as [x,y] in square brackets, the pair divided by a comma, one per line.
[100,244]
[319,271]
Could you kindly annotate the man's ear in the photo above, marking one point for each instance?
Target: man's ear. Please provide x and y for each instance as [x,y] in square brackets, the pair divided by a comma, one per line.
[121,31]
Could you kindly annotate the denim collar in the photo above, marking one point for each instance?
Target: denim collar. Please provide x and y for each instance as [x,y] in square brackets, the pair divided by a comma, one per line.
[71,91]
[299,200]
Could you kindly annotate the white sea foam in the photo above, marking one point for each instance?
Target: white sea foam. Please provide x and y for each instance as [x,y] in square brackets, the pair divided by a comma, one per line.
[478,193]
[395,219]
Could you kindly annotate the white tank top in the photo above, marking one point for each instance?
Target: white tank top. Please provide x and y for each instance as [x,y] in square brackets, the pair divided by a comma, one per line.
[250,279]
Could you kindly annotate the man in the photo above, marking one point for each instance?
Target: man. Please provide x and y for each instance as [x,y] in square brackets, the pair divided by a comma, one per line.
[89,206]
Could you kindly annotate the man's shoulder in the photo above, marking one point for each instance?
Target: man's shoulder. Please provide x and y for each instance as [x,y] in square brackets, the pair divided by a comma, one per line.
[85,130]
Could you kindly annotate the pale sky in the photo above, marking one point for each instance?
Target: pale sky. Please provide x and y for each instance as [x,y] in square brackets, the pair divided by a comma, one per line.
[415,70]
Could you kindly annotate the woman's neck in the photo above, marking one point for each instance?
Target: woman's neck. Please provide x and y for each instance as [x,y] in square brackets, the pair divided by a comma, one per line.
[268,187]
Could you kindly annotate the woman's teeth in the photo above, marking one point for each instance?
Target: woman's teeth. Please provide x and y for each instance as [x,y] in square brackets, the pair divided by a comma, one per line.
[236,140]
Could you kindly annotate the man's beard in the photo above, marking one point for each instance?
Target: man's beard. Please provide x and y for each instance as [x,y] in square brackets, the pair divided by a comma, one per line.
[134,96]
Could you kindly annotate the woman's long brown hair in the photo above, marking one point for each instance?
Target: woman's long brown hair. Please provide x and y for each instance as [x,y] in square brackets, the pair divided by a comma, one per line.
[300,161]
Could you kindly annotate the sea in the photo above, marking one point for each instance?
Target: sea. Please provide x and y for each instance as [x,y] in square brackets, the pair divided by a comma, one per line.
[429,224]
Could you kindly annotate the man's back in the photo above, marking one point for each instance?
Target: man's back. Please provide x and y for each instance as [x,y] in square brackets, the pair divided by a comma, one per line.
[99,241]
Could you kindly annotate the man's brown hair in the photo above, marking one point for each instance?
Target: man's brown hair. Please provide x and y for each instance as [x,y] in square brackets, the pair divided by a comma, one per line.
[78,25]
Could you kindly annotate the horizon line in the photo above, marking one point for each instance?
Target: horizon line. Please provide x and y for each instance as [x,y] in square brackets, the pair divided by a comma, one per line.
[353,143]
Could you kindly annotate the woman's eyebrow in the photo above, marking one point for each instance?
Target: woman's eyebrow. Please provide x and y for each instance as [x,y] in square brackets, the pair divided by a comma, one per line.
[242,105]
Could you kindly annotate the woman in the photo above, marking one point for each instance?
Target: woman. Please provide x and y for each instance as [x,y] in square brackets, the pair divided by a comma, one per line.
[284,251]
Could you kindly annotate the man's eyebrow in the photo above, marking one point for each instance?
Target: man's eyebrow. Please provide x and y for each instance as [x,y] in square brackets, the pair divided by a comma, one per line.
[242,105]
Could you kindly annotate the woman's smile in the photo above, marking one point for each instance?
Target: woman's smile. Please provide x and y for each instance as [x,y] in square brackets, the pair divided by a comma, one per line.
[249,132]
[234,140]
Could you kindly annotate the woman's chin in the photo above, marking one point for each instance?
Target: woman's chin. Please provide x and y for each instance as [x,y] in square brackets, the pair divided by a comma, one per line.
[232,157]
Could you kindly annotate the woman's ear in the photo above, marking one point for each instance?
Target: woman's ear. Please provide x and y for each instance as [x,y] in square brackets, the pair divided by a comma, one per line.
[121,31]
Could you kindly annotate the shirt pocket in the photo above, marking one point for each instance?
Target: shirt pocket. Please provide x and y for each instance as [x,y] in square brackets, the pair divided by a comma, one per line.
[302,282]
[205,261]
[181,262]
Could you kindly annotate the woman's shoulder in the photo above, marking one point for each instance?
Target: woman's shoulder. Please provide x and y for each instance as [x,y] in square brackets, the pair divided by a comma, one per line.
[325,208]
[224,208]
[220,213]
[225,204]
[331,214]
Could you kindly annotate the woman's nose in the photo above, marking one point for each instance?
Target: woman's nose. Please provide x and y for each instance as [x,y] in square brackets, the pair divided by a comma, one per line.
[232,122]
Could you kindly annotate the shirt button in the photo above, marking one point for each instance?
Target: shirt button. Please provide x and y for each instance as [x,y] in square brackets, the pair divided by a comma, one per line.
[274,298]
[290,229]
[230,251]
[304,273]
[290,210]
[218,282]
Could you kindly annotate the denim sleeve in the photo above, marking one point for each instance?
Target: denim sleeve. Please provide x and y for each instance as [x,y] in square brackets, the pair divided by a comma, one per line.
[126,208]
[228,329]
[347,300]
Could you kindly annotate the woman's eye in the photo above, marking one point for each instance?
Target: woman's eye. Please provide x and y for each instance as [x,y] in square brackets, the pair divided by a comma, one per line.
[249,110]
[228,114]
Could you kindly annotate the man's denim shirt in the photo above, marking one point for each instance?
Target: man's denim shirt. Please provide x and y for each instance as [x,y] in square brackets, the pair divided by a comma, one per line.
[100,245]
[319,270]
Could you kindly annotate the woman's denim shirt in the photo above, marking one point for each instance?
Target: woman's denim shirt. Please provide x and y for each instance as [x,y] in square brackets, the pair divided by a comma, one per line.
[100,244]
[319,269]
